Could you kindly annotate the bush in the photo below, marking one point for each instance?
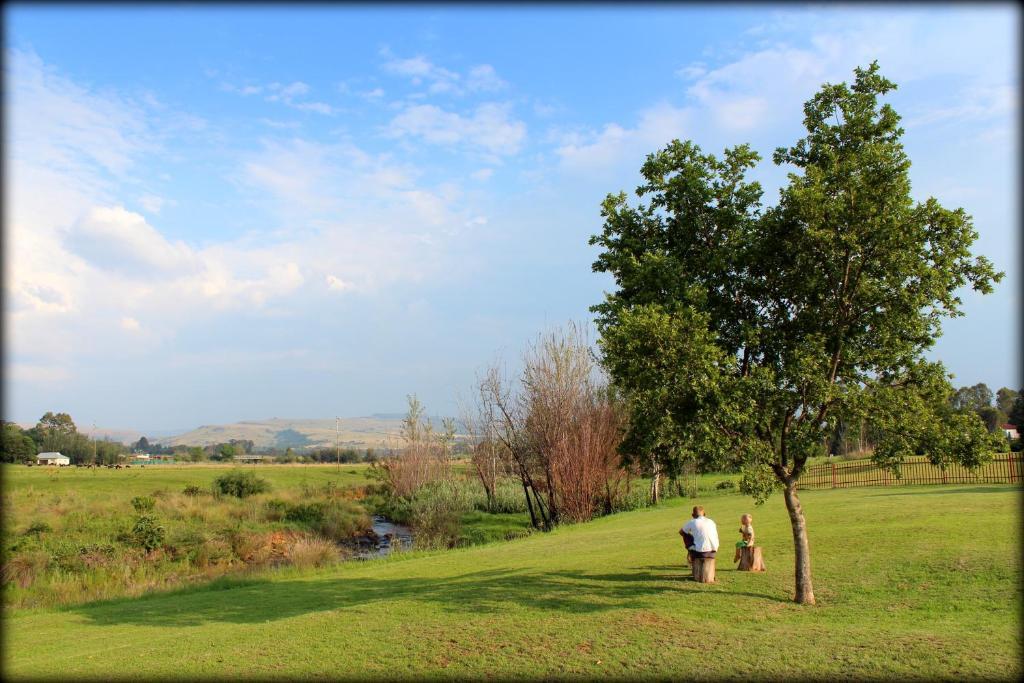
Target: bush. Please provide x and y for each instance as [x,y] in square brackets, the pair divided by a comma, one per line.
[143,504]
[275,510]
[23,569]
[192,490]
[36,528]
[313,552]
[508,497]
[726,485]
[147,533]
[335,519]
[342,522]
[240,484]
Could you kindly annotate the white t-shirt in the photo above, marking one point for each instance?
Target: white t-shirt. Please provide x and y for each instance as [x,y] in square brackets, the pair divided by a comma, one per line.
[705,534]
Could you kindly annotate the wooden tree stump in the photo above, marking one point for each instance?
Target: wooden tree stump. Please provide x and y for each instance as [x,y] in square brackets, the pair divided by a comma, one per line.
[751,560]
[703,569]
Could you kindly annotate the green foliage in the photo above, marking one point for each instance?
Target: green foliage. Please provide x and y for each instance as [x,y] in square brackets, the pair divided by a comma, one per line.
[143,504]
[38,527]
[972,398]
[739,333]
[1015,415]
[192,490]
[240,484]
[17,446]
[147,533]
[726,485]
[991,417]
[1005,398]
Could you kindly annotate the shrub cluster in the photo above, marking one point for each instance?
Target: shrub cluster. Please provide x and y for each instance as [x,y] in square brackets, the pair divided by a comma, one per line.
[240,484]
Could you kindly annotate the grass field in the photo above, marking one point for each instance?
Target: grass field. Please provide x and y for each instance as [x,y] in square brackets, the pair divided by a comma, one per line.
[911,583]
[136,481]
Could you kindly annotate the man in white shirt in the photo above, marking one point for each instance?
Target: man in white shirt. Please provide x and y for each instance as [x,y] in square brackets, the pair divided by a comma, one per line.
[700,535]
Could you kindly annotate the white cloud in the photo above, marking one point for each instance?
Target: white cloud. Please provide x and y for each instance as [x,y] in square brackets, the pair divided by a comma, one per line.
[283,93]
[489,128]
[482,174]
[120,240]
[335,283]
[974,103]
[152,203]
[596,152]
[420,71]
[484,78]
[86,274]
[764,87]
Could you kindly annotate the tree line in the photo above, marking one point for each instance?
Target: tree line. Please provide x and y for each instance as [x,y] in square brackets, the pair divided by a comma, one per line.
[57,432]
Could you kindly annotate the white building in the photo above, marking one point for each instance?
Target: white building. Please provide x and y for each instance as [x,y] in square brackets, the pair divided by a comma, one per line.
[53,459]
[1010,431]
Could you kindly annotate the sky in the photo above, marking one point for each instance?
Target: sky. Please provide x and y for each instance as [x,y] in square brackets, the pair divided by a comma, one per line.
[240,212]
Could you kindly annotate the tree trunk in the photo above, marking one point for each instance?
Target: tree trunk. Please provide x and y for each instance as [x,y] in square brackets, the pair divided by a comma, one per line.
[655,481]
[533,516]
[804,589]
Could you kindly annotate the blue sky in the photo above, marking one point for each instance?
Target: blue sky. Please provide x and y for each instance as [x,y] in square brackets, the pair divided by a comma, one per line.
[238,212]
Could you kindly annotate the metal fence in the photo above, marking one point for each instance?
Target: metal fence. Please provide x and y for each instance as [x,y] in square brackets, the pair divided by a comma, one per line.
[1003,469]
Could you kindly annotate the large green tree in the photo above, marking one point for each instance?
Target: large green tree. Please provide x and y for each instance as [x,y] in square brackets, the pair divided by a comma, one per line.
[1005,398]
[17,445]
[740,333]
[974,398]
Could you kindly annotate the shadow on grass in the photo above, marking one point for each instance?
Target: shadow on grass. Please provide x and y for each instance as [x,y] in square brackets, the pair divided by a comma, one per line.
[479,592]
[945,490]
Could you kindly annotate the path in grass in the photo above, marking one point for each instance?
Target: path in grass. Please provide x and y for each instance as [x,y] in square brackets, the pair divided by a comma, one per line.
[605,598]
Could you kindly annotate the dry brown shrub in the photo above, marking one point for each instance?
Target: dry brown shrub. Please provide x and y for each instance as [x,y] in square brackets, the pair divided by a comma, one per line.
[573,424]
[23,569]
[313,551]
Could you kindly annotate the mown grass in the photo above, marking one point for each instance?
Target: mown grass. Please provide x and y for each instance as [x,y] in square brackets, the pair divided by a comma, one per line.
[920,582]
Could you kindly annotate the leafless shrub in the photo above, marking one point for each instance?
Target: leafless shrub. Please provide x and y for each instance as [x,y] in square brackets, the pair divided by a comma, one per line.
[424,457]
[560,428]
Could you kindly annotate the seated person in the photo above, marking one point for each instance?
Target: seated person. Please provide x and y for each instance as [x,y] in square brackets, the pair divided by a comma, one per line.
[747,534]
[700,535]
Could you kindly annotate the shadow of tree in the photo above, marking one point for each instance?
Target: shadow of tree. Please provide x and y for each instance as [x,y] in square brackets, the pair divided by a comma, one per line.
[991,488]
[488,591]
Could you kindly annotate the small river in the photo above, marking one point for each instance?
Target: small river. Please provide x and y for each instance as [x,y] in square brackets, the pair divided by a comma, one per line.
[386,536]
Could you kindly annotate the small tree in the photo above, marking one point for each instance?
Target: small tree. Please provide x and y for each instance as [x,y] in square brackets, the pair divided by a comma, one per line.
[740,334]
[423,458]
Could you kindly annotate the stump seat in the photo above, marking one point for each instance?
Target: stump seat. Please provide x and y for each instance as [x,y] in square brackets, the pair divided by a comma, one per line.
[703,569]
[751,559]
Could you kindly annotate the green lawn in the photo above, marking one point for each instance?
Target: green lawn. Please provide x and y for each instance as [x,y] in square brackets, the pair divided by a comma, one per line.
[917,582]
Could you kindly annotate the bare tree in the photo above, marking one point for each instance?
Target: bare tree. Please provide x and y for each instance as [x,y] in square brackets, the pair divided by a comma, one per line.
[424,456]
[559,426]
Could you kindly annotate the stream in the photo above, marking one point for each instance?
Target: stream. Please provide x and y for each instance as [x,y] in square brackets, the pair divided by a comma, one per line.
[386,536]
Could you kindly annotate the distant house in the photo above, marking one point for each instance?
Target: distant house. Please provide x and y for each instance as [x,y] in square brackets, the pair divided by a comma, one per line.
[253,459]
[53,459]
[1011,432]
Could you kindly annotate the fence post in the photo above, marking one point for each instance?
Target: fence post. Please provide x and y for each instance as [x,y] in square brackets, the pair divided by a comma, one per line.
[1013,468]
[833,475]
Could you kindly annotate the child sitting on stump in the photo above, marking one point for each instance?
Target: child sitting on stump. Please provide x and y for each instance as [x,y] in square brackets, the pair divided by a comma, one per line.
[747,532]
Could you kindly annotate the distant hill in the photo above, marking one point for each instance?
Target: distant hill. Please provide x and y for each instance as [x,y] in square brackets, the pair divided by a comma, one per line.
[355,432]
